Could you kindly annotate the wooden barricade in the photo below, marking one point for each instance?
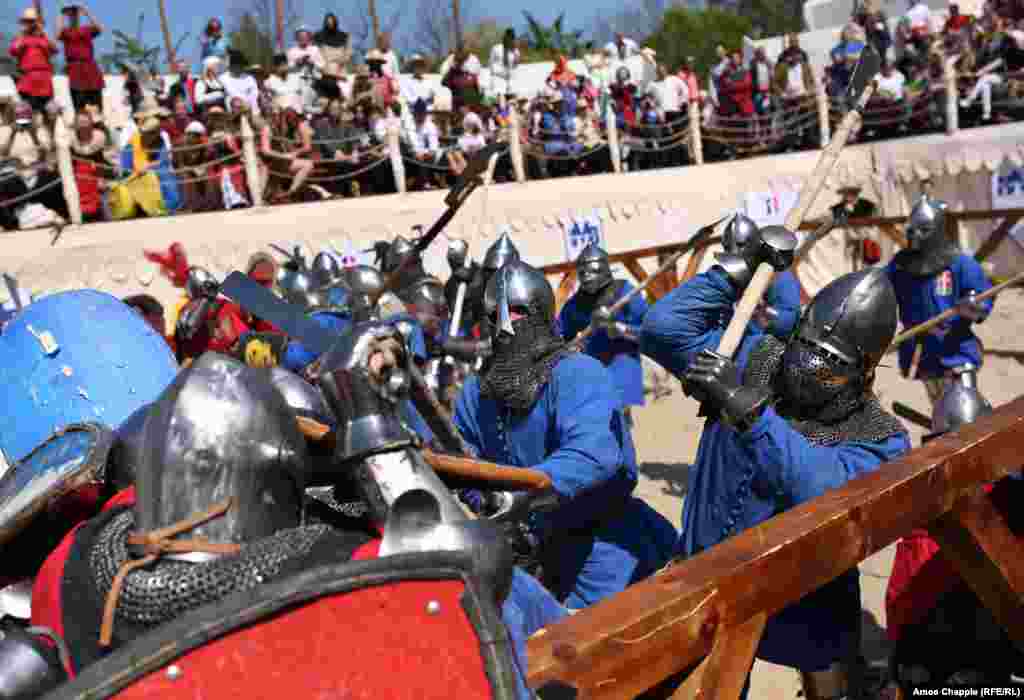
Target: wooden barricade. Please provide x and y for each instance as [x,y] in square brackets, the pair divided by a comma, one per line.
[890,226]
[716,604]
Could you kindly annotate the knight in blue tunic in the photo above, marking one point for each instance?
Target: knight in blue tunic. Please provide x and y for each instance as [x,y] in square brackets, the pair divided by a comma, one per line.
[537,403]
[931,276]
[787,423]
[615,341]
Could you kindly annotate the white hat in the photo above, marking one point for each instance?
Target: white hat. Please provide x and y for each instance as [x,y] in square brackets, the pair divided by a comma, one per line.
[30,15]
[195,128]
[212,62]
[470,119]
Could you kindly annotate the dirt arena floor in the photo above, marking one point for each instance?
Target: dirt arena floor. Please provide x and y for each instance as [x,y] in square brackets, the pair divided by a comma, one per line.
[668,430]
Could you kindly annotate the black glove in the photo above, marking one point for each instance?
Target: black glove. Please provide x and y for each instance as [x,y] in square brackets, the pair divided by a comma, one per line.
[525,546]
[715,380]
[775,245]
[466,350]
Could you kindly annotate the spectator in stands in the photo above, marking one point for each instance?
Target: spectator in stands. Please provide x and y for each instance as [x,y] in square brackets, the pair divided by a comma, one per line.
[838,74]
[997,55]
[286,147]
[228,176]
[889,103]
[761,73]
[561,74]
[176,123]
[471,141]
[284,86]
[688,73]
[392,66]
[736,90]
[417,87]
[503,63]
[213,41]
[132,88]
[956,21]
[88,143]
[85,79]
[238,83]
[386,91]
[876,26]
[338,142]
[332,83]
[334,45]
[793,54]
[184,88]
[622,47]
[149,150]
[716,74]
[304,56]
[425,143]
[853,36]
[794,79]
[210,90]
[200,190]
[671,95]
[32,49]
[919,18]
[624,95]
[29,198]
[462,82]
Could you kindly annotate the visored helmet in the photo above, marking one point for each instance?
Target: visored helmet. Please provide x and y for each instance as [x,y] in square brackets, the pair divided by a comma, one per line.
[501,252]
[366,285]
[200,283]
[326,269]
[739,232]
[221,431]
[927,223]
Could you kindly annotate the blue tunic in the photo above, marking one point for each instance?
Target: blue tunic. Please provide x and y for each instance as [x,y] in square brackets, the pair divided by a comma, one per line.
[742,479]
[620,356]
[952,343]
[784,297]
[528,608]
[600,539]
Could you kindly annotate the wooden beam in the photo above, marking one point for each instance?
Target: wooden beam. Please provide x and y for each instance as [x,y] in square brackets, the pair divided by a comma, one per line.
[693,264]
[636,269]
[975,538]
[893,234]
[629,642]
[565,288]
[722,675]
[670,278]
[638,253]
[996,238]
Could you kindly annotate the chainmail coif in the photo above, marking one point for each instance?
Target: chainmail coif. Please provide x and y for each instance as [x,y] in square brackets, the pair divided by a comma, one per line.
[521,366]
[851,417]
[167,588]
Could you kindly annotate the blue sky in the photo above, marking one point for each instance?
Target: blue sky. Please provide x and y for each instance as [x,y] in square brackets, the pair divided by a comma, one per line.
[191,15]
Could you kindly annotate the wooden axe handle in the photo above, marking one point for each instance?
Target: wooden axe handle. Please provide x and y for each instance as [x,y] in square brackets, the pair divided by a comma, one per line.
[477,470]
[744,311]
[463,467]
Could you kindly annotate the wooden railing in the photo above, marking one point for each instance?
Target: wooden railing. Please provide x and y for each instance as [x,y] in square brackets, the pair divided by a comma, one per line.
[889,226]
[715,605]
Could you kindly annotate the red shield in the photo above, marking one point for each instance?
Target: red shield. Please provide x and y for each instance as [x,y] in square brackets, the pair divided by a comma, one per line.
[413,626]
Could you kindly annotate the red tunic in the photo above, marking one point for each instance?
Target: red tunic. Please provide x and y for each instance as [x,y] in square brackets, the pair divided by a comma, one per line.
[83,73]
[33,55]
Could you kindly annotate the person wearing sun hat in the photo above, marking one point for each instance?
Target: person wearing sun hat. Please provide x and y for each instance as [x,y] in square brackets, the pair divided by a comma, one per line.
[32,49]
[149,150]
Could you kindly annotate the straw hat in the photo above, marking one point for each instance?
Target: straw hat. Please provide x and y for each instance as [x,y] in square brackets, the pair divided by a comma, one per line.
[29,15]
[374,55]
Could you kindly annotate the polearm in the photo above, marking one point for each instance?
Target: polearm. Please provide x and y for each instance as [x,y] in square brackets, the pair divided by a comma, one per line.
[861,89]
[951,312]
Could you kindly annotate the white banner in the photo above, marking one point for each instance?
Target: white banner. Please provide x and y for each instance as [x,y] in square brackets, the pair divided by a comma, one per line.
[1008,193]
[770,208]
[579,232]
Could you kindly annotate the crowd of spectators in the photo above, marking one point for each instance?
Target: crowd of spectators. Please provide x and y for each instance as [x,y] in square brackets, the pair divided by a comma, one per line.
[323,122]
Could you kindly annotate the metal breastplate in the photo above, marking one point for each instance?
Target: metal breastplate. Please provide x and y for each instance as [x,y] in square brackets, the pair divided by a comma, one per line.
[859,419]
[164,590]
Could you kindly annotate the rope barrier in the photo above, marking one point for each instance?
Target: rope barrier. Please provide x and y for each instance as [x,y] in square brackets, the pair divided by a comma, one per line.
[31,193]
[332,178]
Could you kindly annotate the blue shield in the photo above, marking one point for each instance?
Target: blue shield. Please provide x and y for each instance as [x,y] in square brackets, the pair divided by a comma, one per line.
[65,462]
[76,357]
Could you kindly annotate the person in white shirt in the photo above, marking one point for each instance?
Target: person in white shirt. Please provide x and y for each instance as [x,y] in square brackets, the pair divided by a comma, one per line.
[209,88]
[920,17]
[504,60]
[471,141]
[304,54]
[238,83]
[671,94]
[890,84]
[622,48]
[470,65]
[284,86]
[425,143]
[392,67]
[417,87]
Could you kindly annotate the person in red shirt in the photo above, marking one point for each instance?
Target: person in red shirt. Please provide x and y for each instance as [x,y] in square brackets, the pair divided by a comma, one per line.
[32,49]
[85,78]
[956,21]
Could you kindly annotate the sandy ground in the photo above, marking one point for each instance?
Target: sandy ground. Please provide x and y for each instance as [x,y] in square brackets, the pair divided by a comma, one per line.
[664,465]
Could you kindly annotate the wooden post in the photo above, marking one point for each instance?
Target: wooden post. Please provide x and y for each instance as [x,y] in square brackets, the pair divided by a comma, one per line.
[62,141]
[165,28]
[696,144]
[279,21]
[252,163]
[397,165]
[952,95]
[613,138]
[824,125]
[565,288]
[515,146]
